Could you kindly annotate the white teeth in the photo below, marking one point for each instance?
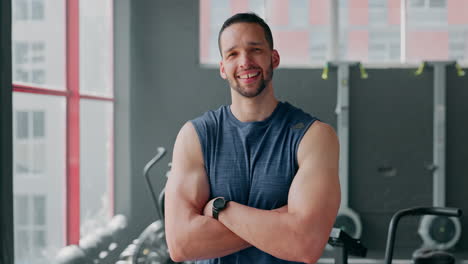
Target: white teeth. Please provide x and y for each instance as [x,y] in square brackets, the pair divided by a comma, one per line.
[250,75]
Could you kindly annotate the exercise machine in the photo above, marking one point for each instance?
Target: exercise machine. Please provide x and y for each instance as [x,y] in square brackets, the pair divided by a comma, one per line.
[439,232]
[430,257]
[347,220]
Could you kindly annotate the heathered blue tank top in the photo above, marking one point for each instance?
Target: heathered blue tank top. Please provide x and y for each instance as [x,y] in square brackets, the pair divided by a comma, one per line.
[251,163]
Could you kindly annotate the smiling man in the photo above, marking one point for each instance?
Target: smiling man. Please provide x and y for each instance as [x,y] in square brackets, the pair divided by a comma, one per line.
[255,181]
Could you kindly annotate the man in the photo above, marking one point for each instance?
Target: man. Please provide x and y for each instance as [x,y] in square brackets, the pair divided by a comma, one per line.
[256,181]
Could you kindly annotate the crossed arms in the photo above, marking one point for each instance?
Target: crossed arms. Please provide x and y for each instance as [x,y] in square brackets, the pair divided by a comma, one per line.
[301,228]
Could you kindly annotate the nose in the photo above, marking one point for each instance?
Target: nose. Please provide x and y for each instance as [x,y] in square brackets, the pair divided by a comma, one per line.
[245,60]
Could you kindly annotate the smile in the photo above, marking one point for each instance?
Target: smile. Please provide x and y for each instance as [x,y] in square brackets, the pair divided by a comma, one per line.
[248,75]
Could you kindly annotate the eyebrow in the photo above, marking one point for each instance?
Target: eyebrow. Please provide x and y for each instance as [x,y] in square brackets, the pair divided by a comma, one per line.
[250,43]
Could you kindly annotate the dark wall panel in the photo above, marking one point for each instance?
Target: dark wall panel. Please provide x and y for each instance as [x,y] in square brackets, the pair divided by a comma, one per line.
[457,148]
[391,142]
[168,88]
[306,89]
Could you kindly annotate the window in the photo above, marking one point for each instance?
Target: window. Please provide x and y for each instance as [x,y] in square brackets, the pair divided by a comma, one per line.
[39,129]
[96,114]
[378,13]
[302,33]
[427,3]
[62,73]
[37,9]
[30,229]
[29,62]
[384,46]
[30,142]
[28,9]
[39,44]
[458,41]
[298,12]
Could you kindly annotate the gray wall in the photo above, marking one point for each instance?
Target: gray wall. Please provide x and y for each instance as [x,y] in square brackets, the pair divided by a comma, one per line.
[391,119]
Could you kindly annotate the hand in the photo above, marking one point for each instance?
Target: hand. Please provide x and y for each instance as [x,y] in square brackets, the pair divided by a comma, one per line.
[208,210]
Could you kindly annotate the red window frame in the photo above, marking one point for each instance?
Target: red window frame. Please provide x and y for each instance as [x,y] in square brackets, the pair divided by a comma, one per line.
[72,96]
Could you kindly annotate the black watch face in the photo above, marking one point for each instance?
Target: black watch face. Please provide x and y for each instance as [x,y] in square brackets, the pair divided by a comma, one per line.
[219,203]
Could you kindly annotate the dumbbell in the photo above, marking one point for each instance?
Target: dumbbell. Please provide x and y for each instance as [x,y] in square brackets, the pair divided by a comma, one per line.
[72,254]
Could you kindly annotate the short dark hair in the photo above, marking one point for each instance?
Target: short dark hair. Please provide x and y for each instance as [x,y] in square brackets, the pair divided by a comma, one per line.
[246,18]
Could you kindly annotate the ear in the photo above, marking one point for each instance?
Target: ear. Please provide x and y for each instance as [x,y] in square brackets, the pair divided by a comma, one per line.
[275,59]
[221,70]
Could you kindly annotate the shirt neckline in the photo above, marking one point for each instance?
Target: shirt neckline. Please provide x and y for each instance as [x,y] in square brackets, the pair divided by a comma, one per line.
[254,123]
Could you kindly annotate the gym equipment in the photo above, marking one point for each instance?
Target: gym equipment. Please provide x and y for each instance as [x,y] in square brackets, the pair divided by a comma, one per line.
[99,244]
[72,254]
[160,153]
[91,245]
[438,232]
[150,247]
[347,220]
[346,245]
[435,257]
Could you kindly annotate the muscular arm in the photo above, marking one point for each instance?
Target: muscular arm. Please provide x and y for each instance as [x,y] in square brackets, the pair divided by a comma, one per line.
[300,232]
[190,234]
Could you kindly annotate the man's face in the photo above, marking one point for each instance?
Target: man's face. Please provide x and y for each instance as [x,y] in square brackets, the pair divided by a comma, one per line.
[247,59]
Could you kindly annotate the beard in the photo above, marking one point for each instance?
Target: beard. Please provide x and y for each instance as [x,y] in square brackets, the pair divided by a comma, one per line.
[250,93]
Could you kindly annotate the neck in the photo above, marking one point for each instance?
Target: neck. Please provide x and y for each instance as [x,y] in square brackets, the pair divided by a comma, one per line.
[253,109]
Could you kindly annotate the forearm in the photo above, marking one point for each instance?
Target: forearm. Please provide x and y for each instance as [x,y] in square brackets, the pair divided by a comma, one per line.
[202,237]
[278,233]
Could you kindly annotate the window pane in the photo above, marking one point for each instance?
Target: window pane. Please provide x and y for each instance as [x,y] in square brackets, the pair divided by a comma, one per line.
[21,208]
[95,164]
[22,127]
[370,33]
[437,3]
[20,9]
[38,124]
[38,157]
[96,47]
[37,9]
[427,36]
[39,241]
[39,43]
[22,161]
[39,210]
[458,30]
[42,180]
[22,247]
[299,13]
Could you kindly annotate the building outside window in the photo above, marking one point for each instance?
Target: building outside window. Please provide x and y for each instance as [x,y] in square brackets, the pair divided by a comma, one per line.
[369,31]
[62,124]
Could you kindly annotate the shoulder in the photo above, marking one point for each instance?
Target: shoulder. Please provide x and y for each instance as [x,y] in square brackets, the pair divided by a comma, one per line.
[320,139]
[294,113]
[209,117]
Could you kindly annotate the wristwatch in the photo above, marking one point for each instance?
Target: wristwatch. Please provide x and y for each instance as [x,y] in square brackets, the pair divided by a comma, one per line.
[219,204]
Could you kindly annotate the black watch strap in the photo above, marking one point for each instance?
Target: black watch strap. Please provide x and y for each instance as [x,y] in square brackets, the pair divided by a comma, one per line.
[219,204]
[215,213]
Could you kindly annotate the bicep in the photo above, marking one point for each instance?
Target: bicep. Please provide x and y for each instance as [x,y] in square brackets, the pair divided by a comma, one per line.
[187,189]
[315,190]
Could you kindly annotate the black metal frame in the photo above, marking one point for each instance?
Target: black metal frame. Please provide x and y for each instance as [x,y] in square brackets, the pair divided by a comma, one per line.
[6,142]
[415,211]
[345,245]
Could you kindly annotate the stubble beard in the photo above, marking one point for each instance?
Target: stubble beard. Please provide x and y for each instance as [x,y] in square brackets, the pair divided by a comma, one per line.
[259,89]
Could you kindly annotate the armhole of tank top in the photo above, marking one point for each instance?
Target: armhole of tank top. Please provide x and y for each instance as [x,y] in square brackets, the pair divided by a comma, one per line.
[299,140]
[201,142]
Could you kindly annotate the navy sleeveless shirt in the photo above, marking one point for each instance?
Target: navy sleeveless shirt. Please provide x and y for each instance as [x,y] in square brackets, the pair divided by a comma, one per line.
[251,163]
